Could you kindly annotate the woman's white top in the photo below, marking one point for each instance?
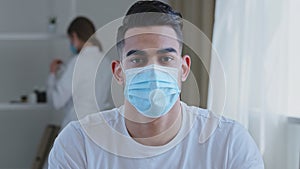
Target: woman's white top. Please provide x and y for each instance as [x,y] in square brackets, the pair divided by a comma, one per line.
[62,88]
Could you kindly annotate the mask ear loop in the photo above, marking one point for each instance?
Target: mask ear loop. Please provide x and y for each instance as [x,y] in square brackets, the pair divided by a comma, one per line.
[180,70]
[121,63]
[122,108]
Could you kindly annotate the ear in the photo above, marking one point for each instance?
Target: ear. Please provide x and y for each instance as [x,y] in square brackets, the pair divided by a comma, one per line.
[117,71]
[186,66]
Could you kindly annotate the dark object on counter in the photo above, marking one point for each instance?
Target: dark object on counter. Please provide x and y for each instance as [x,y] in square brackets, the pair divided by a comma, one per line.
[23,98]
[15,101]
[41,96]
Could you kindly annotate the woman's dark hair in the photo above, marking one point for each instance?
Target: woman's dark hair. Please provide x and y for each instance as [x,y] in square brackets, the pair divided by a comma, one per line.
[150,13]
[85,29]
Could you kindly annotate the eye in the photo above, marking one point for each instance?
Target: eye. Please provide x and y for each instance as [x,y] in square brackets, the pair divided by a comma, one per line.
[136,60]
[166,58]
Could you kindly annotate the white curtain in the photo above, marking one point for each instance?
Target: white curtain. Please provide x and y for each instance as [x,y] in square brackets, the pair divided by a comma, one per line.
[256,43]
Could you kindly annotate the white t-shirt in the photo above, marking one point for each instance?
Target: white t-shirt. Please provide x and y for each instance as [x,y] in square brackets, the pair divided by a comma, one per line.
[101,141]
[63,89]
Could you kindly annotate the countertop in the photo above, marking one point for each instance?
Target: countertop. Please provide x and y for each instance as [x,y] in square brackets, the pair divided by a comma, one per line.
[24,106]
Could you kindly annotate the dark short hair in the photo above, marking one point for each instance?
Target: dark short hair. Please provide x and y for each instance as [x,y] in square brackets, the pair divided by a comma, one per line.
[85,29]
[150,13]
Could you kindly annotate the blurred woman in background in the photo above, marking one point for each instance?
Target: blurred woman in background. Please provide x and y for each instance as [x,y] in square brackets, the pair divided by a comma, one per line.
[59,85]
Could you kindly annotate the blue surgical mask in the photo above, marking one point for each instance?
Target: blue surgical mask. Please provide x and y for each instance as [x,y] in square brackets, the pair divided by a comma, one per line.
[73,49]
[152,90]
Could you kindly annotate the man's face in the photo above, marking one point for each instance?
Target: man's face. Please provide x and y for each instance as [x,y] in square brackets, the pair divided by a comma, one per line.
[145,46]
[151,45]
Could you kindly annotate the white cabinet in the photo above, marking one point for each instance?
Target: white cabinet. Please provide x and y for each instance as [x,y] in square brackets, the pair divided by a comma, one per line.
[21,128]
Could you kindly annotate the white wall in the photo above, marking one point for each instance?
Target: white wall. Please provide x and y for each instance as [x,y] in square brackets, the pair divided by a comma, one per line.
[19,16]
[24,63]
[18,58]
[103,11]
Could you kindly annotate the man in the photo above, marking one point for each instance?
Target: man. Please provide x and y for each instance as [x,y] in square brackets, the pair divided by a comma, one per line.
[153,129]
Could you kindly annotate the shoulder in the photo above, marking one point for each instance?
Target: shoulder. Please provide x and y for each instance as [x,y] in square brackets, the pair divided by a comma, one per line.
[74,140]
[90,50]
[241,149]
[203,115]
[76,129]
[210,126]
[225,128]
[100,118]
[234,138]
[68,146]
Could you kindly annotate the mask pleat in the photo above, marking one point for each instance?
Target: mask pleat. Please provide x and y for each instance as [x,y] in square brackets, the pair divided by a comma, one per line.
[152,90]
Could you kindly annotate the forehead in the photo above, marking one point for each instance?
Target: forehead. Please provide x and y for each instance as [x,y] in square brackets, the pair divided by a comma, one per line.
[150,37]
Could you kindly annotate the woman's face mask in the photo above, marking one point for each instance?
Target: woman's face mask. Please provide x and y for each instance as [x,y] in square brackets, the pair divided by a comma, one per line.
[73,49]
[152,90]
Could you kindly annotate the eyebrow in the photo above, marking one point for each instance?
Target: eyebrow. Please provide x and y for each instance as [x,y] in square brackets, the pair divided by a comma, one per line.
[136,52]
[143,53]
[166,50]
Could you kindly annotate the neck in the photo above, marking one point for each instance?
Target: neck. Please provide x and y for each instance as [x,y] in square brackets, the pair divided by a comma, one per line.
[154,132]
